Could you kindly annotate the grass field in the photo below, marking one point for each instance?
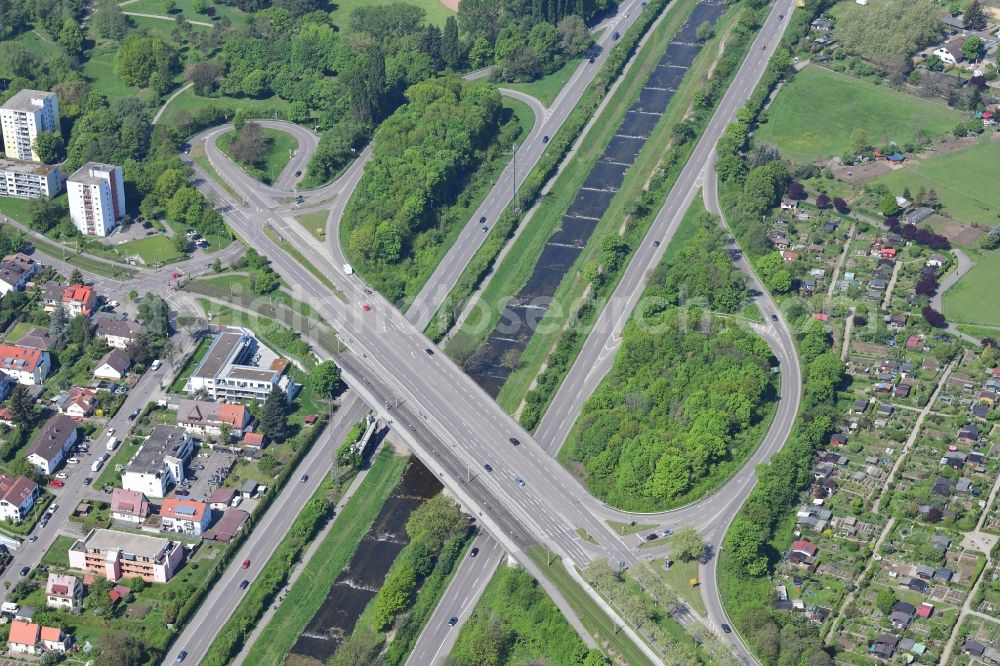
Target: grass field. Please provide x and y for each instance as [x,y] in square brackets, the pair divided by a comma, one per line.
[280,146]
[967,302]
[100,72]
[964,187]
[153,249]
[814,115]
[313,221]
[311,588]
[547,88]
[58,553]
[436,12]
[260,108]
[186,9]
[593,618]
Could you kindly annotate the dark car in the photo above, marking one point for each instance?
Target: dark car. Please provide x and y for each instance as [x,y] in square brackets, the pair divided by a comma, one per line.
[452,621]
[25,571]
[305,477]
[181,492]
[652,537]
[488,467]
[545,139]
[515,441]
[774,317]
[135,413]
[430,352]
[182,655]
[591,61]
[87,481]
[726,628]
[482,220]
[656,243]
[473,552]
[298,173]
[244,584]
[615,35]
[781,17]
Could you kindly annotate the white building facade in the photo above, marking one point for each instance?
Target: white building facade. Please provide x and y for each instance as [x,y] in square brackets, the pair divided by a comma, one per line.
[29,180]
[96,198]
[22,117]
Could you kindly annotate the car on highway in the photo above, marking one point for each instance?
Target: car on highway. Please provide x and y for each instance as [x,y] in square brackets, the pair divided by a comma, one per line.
[515,441]
[591,61]
[298,173]
[182,655]
[652,537]
[111,431]
[763,47]
[246,564]
[57,483]
[33,538]
[62,475]
[656,243]
[545,139]
[89,480]
[305,477]
[473,552]
[774,317]
[488,467]
[244,584]
[135,413]
[25,571]
[366,307]
[615,35]
[429,351]
[726,628]
[519,481]
[781,17]
[482,220]
[667,533]
[452,621]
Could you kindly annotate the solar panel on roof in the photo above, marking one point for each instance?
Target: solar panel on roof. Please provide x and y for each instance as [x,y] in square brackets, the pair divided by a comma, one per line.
[185,510]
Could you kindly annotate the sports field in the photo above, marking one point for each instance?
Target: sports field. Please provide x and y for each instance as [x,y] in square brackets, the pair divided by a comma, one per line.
[964,181]
[814,115]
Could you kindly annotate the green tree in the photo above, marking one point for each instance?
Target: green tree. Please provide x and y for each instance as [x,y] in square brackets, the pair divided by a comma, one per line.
[887,204]
[888,32]
[687,544]
[274,415]
[181,243]
[217,266]
[58,321]
[451,52]
[200,6]
[48,146]
[704,31]
[884,600]
[324,380]
[481,53]
[780,281]
[974,17]
[435,521]
[574,37]
[859,141]
[265,281]
[154,314]
[22,407]
[117,649]
[358,649]
[971,47]
[139,57]
[394,595]
[71,37]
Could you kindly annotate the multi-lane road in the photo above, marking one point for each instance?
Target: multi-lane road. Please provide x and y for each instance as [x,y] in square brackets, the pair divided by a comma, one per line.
[454,427]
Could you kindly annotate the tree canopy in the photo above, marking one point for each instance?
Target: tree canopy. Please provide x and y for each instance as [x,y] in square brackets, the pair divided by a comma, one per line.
[889,31]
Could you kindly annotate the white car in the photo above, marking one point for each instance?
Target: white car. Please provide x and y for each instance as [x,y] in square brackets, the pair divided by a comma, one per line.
[73,461]
[62,475]
[111,431]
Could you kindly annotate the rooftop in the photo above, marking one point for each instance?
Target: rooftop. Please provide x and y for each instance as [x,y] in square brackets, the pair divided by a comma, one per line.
[134,544]
[92,173]
[162,442]
[52,436]
[30,168]
[25,100]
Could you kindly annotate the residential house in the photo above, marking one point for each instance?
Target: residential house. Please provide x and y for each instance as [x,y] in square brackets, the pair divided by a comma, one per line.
[77,403]
[901,614]
[925,610]
[936,261]
[969,434]
[884,646]
[940,542]
[221,498]
[116,555]
[789,204]
[209,418]
[36,338]
[113,366]
[76,299]
[185,516]
[821,24]
[129,506]
[17,495]
[923,571]
[55,640]
[838,439]
[254,440]
[885,409]
[159,462]
[24,365]
[228,526]
[118,333]
[789,255]
[64,592]
[16,270]
[897,321]
[859,406]
[951,51]
[973,647]
[23,638]
[49,447]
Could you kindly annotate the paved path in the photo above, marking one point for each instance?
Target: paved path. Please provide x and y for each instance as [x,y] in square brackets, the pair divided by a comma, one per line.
[887,300]
[840,260]
[166,18]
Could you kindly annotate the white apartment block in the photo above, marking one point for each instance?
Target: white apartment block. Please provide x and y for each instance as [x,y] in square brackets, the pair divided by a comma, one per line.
[237,368]
[22,117]
[29,180]
[96,198]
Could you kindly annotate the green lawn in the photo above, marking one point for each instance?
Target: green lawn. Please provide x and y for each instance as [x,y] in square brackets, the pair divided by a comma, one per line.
[311,588]
[100,72]
[547,88]
[967,301]
[153,250]
[15,208]
[199,353]
[436,12]
[186,8]
[261,108]
[314,222]
[679,576]
[58,553]
[962,179]
[814,115]
[280,146]
[19,329]
[34,45]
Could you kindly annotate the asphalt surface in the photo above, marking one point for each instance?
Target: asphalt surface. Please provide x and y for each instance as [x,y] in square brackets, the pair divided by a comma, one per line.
[267,534]
[458,601]
[454,427]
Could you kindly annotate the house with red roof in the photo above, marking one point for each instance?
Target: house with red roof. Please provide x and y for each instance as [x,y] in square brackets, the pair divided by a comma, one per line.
[23,638]
[79,299]
[925,610]
[25,365]
[54,640]
[888,252]
[185,516]
[129,506]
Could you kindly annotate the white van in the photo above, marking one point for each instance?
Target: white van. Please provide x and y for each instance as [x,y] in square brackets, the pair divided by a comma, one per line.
[112,444]
[348,270]
[96,465]
[155,365]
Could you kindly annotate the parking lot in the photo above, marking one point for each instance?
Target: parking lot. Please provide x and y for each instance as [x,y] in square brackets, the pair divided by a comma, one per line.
[204,481]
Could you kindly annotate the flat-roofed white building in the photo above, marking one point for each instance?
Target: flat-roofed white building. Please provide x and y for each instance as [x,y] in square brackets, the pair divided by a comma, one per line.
[96,198]
[29,180]
[22,117]
[159,462]
[237,367]
[116,555]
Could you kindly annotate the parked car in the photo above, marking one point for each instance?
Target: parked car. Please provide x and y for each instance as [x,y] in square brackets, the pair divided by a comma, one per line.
[726,628]
[519,481]
[62,475]
[25,571]
[181,492]
[652,537]
[33,538]
[88,480]
[57,483]
[488,467]
[73,461]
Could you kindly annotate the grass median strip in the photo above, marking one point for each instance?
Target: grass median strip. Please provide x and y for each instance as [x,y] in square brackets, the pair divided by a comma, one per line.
[310,590]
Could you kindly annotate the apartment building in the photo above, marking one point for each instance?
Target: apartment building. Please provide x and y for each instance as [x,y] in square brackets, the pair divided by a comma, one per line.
[116,555]
[185,516]
[209,418]
[17,496]
[29,180]
[49,447]
[237,367]
[96,198]
[22,117]
[159,462]
[15,272]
